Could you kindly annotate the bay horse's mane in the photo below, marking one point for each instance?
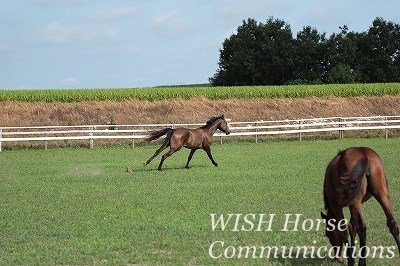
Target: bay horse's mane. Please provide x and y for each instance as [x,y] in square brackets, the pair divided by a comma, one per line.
[212,120]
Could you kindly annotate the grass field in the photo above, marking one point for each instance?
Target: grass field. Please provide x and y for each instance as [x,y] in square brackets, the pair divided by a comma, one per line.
[81,207]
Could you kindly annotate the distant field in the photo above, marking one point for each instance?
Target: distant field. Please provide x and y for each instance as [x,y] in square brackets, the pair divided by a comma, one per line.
[189,92]
[81,207]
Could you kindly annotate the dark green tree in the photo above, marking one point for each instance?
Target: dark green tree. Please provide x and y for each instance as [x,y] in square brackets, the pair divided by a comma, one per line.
[380,52]
[341,57]
[257,54]
[267,54]
[340,73]
[308,56]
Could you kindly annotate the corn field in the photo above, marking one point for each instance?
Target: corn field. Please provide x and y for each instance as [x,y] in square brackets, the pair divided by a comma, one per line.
[213,93]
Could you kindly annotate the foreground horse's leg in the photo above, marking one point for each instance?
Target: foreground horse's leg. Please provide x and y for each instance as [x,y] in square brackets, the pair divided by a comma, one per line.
[343,235]
[208,151]
[158,151]
[165,156]
[352,227]
[358,222]
[190,158]
[384,201]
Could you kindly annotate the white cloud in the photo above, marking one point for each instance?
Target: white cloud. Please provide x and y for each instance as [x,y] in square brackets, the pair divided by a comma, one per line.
[56,33]
[70,81]
[113,13]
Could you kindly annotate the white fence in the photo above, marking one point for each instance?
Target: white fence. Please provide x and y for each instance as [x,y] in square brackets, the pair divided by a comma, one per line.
[256,129]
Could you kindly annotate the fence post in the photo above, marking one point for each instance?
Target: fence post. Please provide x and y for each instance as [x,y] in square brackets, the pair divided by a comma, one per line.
[91,139]
[133,140]
[1,136]
[256,125]
[340,126]
[386,130]
[45,142]
[300,134]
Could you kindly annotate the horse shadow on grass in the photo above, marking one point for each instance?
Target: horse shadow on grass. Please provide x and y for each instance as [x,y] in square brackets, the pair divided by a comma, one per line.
[130,169]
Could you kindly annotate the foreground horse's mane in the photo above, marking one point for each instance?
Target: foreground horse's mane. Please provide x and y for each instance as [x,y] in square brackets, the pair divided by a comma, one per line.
[212,120]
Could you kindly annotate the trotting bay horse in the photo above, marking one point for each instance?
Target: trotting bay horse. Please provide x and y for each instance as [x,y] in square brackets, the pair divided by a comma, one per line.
[351,178]
[194,139]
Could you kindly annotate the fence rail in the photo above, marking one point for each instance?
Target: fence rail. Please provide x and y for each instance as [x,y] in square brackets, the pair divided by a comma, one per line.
[256,129]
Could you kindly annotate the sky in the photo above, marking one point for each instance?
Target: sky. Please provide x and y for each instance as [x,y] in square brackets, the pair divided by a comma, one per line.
[56,44]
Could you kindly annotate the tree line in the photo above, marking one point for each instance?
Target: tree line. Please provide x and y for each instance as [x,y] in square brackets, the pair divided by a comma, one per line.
[269,54]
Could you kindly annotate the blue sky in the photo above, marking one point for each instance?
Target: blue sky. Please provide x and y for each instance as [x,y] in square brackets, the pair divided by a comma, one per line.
[118,44]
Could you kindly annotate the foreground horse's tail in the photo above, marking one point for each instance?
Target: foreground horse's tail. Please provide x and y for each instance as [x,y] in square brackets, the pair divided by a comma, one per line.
[352,177]
[159,133]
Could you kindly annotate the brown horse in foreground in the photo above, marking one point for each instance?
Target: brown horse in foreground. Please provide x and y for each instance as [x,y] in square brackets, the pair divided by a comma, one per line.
[351,178]
[194,139]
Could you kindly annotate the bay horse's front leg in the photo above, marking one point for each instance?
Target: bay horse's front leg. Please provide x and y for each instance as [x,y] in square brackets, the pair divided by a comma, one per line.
[358,222]
[190,158]
[208,151]
[352,228]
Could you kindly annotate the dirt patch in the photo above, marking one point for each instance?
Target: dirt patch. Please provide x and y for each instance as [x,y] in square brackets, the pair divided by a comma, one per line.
[196,110]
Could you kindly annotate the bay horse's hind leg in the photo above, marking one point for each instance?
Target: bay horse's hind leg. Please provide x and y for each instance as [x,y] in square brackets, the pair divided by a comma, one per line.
[190,158]
[358,225]
[165,156]
[158,151]
[384,201]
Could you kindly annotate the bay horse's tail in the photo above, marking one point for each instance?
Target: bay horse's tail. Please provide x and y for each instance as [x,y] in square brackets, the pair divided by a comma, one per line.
[352,177]
[159,133]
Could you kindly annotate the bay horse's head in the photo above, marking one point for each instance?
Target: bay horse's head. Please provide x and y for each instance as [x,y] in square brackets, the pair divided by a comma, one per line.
[223,125]
[336,235]
[336,225]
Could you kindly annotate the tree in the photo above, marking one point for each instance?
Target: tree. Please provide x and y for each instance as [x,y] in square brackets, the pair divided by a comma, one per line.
[308,56]
[341,73]
[380,52]
[257,54]
[267,54]
[341,60]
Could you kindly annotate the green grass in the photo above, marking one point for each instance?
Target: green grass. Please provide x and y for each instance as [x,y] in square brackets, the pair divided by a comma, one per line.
[189,92]
[80,206]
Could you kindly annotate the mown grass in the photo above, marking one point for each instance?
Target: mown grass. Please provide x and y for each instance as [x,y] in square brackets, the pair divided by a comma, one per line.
[80,206]
[214,93]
